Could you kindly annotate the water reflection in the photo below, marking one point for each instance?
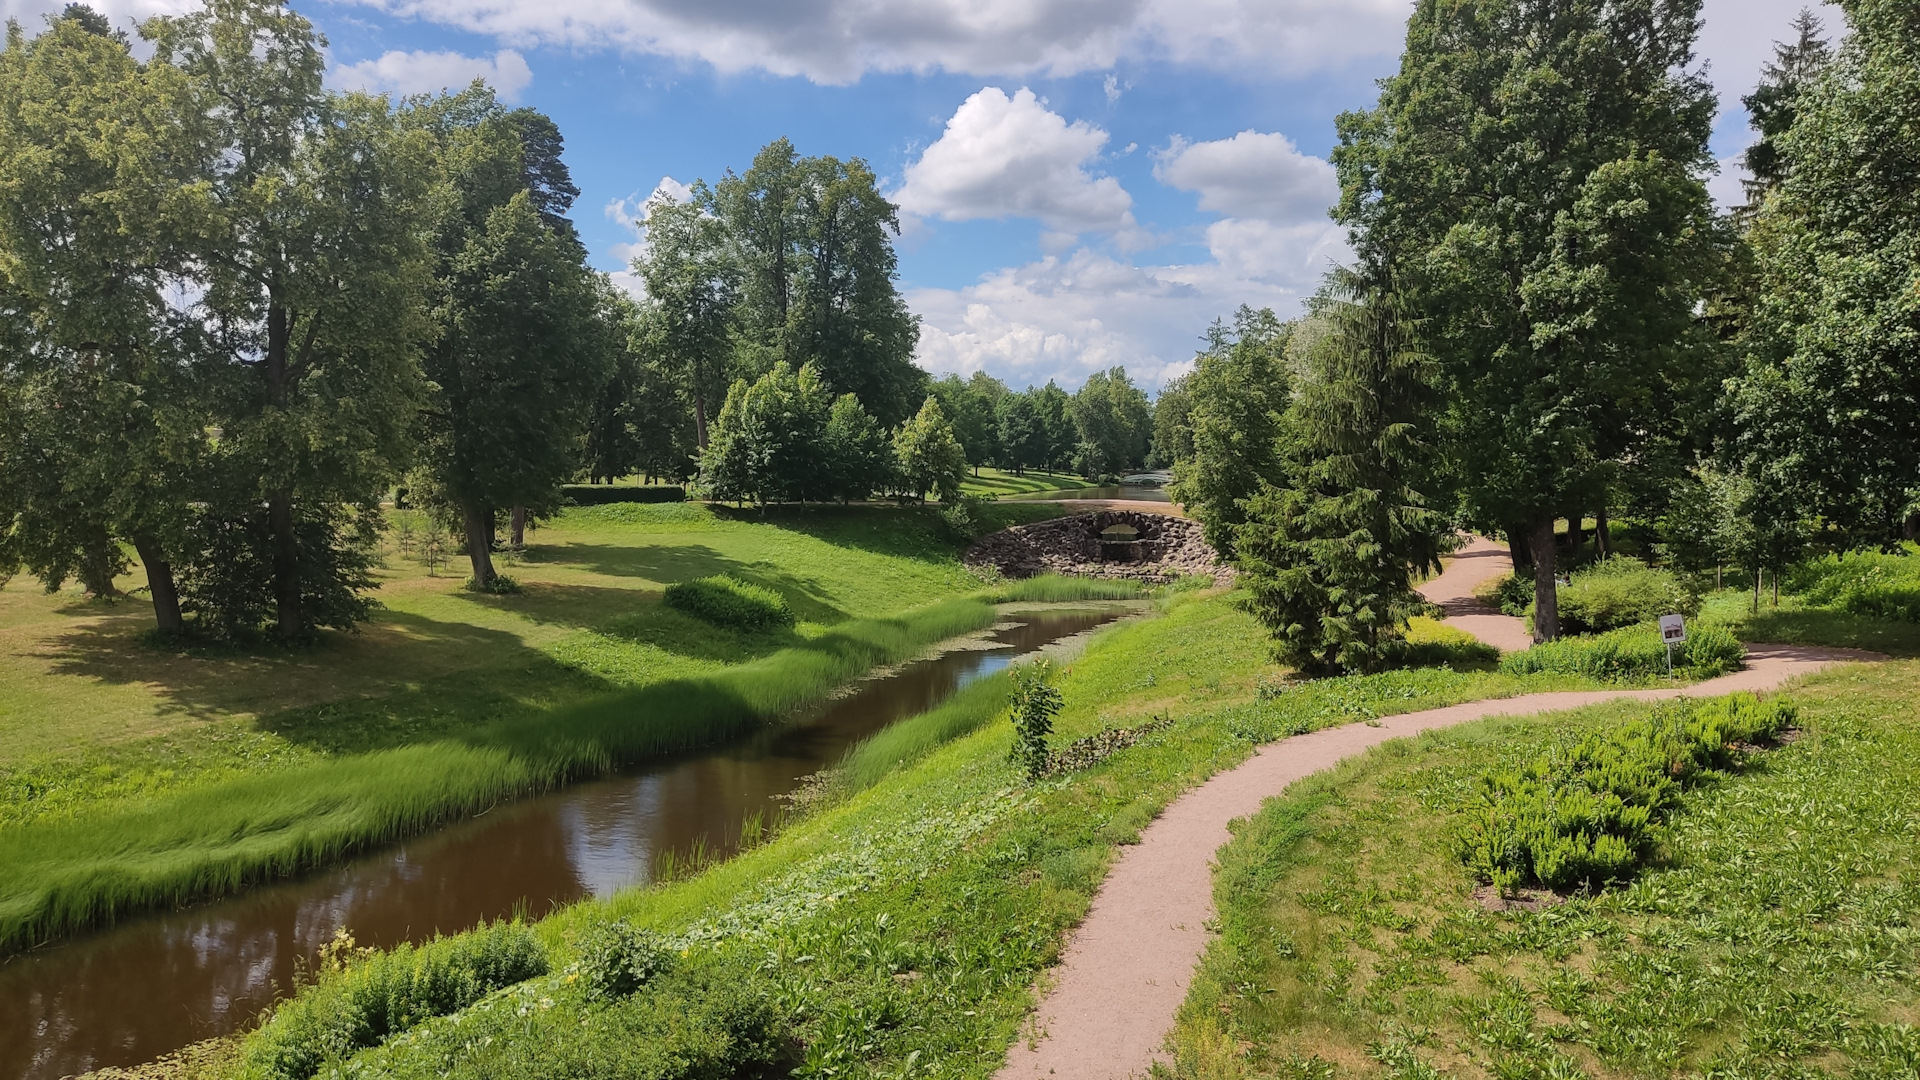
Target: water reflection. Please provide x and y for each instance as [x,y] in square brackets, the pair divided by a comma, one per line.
[133,993]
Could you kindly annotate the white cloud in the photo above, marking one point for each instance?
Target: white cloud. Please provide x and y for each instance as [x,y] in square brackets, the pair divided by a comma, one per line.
[1727,189]
[422,72]
[836,41]
[1004,157]
[1252,175]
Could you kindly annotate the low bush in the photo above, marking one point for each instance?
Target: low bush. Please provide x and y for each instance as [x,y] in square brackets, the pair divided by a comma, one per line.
[1631,655]
[618,958]
[1874,584]
[1511,593]
[361,1003]
[1582,817]
[1432,643]
[730,603]
[1621,592]
[599,495]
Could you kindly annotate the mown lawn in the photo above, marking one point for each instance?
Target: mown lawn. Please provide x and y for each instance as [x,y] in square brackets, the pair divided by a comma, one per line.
[898,930]
[1771,937]
[1000,482]
[89,709]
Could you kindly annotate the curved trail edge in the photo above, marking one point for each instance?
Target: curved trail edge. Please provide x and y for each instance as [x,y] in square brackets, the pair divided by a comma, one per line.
[1127,967]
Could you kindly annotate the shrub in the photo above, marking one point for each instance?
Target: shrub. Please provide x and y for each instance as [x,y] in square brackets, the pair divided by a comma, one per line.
[1583,816]
[1631,654]
[1432,643]
[1620,592]
[1511,593]
[618,958]
[1035,701]
[1873,584]
[967,518]
[730,603]
[361,1003]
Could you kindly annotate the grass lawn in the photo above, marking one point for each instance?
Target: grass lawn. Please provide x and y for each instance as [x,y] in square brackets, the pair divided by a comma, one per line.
[1796,622]
[999,482]
[90,710]
[1772,936]
[897,930]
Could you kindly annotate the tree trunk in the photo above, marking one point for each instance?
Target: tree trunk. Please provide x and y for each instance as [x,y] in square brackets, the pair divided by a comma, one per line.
[1517,548]
[1546,591]
[479,522]
[699,416]
[166,598]
[519,527]
[1602,533]
[286,565]
[1576,533]
[1756,590]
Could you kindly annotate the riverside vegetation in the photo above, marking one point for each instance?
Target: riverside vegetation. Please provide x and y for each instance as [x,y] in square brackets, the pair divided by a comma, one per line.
[898,922]
[202,784]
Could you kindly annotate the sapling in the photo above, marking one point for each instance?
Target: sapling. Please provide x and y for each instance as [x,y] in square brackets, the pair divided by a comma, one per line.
[1035,701]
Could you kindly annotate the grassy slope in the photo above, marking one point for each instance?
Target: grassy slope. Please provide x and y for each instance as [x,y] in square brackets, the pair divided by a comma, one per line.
[88,711]
[910,920]
[1772,940]
[1795,622]
[1000,482]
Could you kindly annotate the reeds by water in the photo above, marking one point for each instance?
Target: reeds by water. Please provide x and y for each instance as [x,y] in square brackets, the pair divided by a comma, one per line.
[64,875]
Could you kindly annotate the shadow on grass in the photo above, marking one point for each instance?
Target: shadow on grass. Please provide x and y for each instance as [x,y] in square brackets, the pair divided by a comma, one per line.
[666,564]
[1835,629]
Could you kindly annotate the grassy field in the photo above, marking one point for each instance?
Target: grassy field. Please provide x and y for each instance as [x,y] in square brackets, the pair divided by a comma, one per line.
[895,930]
[999,482]
[89,710]
[1771,937]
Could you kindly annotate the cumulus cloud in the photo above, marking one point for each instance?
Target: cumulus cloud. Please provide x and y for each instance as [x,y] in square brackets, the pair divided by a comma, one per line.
[631,212]
[836,41]
[422,72]
[1252,175]
[1004,157]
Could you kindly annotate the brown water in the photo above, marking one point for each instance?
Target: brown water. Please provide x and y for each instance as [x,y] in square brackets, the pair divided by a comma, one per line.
[151,986]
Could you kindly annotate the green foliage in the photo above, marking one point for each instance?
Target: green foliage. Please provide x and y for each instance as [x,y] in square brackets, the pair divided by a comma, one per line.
[730,603]
[1583,817]
[1231,431]
[1829,406]
[1620,592]
[971,707]
[966,517]
[1550,229]
[1034,703]
[363,1002]
[1774,104]
[1062,589]
[617,959]
[1874,585]
[1114,424]
[926,455]
[1328,561]
[226,572]
[1512,593]
[859,456]
[972,404]
[770,441]
[1432,643]
[1631,655]
[685,332]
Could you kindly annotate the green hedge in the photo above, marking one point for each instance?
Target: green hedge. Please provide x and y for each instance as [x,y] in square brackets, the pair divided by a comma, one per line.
[731,603]
[1583,817]
[606,494]
[1631,655]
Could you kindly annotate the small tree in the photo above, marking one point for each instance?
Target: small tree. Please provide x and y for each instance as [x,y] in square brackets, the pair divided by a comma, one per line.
[1231,437]
[1035,701]
[859,461]
[928,455]
[769,442]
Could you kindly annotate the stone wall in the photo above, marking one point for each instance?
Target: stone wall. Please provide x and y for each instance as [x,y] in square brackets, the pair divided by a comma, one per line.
[1168,547]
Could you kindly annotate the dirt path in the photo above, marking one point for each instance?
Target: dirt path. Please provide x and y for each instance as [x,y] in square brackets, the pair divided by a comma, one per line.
[1127,967]
[1453,591]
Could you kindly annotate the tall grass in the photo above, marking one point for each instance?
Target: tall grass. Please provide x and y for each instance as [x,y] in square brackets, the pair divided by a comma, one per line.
[1872,584]
[968,710]
[1059,589]
[57,876]
[1631,655]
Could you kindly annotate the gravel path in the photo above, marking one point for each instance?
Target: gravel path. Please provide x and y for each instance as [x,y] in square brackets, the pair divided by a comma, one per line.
[1127,967]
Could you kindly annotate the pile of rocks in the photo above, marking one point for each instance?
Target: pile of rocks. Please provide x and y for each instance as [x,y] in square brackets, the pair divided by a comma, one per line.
[1164,548]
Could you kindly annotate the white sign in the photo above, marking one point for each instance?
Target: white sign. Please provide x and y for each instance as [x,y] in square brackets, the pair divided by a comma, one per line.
[1673,630]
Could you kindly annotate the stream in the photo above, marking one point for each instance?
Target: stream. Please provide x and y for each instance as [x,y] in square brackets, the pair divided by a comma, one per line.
[154,984]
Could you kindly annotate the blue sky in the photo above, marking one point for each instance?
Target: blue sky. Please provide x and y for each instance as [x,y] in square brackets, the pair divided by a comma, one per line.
[1084,183]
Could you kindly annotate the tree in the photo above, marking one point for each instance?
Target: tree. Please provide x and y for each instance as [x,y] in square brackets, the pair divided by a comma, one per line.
[927,456]
[1237,394]
[1329,560]
[108,421]
[1054,407]
[1172,424]
[770,442]
[812,238]
[311,278]
[972,414]
[693,285]
[858,453]
[615,423]
[1772,106]
[1113,422]
[1533,180]
[1828,409]
[1021,432]
[526,335]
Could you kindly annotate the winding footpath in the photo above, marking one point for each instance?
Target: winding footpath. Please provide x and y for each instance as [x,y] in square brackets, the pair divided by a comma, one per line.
[1127,967]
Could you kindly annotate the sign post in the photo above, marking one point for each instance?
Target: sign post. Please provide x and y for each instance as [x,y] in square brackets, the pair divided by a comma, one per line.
[1673,631]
